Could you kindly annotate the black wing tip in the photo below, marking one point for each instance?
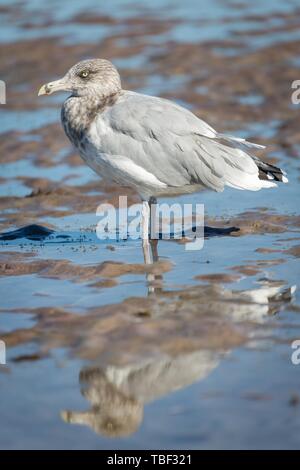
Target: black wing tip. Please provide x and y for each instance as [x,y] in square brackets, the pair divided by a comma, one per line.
[271,172]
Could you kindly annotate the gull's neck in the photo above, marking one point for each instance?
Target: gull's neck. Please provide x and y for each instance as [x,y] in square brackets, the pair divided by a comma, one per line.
[78,112]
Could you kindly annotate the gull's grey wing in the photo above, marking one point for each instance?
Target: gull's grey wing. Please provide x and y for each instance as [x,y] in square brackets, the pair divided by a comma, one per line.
[172,144]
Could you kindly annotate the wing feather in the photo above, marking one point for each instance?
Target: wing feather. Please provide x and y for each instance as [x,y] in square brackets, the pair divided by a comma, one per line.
[177,147]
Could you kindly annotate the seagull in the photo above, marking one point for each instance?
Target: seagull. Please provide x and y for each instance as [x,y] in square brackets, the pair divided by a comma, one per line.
[151,144]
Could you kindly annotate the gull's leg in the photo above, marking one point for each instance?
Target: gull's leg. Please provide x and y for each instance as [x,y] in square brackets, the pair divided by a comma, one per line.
[152,204]
[149,246]
[146,243]
[148,221]
[145,221]
[145,231]
[148,218]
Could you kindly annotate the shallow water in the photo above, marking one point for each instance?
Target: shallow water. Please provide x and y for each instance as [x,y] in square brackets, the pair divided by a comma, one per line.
[193,351]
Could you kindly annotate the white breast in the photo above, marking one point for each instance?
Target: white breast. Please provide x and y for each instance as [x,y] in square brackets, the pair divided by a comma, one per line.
[91,150]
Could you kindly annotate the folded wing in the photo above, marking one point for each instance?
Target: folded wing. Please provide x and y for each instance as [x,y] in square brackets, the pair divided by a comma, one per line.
[176,147]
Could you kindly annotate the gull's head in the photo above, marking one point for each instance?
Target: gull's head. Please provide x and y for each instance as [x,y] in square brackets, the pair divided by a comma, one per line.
[95,76]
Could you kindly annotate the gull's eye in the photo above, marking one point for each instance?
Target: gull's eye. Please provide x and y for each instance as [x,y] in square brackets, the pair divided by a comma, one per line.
[84,74]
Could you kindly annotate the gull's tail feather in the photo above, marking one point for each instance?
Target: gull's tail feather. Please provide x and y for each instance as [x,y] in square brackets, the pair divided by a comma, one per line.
[267,172]
[220,164]
[239,140]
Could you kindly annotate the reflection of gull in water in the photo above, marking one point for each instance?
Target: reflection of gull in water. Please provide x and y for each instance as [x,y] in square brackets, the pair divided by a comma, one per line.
[118,394]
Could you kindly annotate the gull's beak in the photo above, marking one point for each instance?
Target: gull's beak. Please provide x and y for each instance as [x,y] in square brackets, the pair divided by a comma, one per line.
[52,87]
